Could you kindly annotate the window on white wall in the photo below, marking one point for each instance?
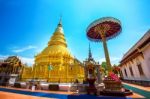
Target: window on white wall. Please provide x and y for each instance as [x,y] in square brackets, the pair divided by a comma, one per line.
[125,72]
[140,69]
[131,71]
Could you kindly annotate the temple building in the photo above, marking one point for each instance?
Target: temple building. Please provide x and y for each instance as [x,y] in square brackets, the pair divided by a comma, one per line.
[135,64]
[10,70]
[55,63]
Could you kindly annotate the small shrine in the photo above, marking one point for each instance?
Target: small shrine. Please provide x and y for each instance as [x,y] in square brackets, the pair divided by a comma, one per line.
[92,73]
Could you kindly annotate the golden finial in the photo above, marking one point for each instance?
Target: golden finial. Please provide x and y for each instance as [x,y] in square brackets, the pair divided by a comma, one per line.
[60,21]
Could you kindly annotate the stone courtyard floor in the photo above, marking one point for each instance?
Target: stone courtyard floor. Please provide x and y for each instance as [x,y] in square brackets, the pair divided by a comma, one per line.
[143,91]
[16,93]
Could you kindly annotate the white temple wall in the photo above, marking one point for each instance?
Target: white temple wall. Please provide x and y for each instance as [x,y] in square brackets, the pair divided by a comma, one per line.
[128,71]
[145,64]
[122,70]
[144,67]
[134,69]
[137,73]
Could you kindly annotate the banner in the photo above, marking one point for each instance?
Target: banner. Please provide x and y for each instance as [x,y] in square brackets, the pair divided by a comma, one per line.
[50,67]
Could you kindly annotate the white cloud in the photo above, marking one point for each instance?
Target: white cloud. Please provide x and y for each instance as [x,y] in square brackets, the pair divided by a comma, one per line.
[101,60]
[24,49]
[27,60]
[2,57]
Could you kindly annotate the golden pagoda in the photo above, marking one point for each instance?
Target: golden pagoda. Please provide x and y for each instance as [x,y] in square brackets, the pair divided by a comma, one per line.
[55,63]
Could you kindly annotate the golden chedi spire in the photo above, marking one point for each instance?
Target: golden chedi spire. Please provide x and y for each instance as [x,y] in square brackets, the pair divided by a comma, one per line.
[57,43]
[58,36]
[55,54]
[63,67]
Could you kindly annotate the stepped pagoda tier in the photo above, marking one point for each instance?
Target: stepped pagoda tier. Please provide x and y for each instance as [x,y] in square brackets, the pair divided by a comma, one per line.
[56,53]
[55,63]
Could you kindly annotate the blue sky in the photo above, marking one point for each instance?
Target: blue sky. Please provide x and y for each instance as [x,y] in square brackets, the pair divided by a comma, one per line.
[27,25]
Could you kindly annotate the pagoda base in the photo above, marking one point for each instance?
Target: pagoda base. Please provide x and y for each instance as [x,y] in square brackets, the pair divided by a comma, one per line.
[91,89]
[126,92]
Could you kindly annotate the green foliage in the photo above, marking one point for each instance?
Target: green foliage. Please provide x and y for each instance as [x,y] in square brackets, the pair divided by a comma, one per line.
[104,65]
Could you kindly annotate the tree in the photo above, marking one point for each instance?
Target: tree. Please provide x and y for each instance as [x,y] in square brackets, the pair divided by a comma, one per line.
[104,67]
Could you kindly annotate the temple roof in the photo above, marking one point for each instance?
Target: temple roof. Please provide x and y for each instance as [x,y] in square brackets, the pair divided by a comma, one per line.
[142,42]
[11,60]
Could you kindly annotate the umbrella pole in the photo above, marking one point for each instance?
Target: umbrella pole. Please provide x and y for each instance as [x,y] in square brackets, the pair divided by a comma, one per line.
[102,33]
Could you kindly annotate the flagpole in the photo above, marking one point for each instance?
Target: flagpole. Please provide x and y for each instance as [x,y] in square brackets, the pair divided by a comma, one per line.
[49,72]
[48,75]
[49,69]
